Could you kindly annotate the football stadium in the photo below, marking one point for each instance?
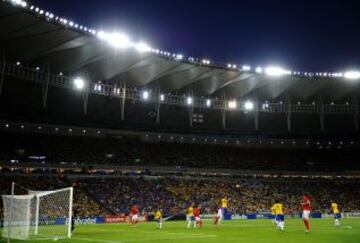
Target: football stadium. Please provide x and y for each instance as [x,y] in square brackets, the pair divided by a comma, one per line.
[107,139]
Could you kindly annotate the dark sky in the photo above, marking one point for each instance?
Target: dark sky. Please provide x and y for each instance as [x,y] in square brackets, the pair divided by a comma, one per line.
[300,35]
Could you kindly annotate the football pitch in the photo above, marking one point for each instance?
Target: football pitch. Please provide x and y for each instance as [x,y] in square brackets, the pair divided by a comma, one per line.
[249,231]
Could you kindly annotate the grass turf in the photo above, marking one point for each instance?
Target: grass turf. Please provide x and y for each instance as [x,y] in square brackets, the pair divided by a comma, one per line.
[252,231]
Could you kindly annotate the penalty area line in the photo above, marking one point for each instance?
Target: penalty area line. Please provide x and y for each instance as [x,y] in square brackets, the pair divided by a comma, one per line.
[96,240]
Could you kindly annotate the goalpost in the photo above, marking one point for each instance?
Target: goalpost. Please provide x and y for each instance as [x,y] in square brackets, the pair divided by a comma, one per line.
[38,214]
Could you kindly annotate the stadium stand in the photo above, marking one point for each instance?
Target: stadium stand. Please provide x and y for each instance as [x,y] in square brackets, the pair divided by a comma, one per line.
[90,151]
[101,195]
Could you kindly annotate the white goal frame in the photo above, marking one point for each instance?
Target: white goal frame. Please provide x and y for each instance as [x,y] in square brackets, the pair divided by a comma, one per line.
[33,214]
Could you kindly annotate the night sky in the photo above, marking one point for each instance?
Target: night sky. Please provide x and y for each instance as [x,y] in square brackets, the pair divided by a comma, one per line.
[300,35]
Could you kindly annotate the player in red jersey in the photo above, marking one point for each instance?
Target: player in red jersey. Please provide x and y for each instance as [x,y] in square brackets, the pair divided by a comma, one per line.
[197,214]
[306,205]
[134,211]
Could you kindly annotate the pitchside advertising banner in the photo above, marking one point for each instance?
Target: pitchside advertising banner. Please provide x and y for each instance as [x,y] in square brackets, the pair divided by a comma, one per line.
[122,218]
[112,219]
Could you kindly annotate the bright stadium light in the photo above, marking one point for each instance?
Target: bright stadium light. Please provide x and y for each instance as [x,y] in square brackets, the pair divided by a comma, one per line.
[208,102]
[179,57]
[232,104]
[79,83]
[118,40]
[246,68]
[19,2]
[162,97]
[275,71]
[145,95]
[142,47]
[189,100]
[259,70]
[249,105]
[207,62]
[352,74]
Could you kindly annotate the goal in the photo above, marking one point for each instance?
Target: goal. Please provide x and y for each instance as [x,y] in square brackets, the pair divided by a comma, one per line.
[38,215]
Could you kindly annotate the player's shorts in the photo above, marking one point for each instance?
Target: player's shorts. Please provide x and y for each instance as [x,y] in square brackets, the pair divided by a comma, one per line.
[337,215]
[224,211]
[158,220]
[280,218]
[134,217]
[306,214]
[197,219]
[189,218]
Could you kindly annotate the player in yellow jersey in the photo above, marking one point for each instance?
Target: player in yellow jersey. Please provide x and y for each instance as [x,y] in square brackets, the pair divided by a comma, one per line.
[272,209]
[224,207]
[337,215]
[190,215]
[159,218]
[280,215]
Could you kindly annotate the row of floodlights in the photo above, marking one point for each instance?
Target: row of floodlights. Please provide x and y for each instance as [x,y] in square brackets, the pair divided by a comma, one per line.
[56,129]
[122,41]
[79,83]
[215,140]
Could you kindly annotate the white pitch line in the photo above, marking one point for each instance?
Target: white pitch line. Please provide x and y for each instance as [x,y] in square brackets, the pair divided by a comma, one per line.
[95,240]
[135,240]
[158,232]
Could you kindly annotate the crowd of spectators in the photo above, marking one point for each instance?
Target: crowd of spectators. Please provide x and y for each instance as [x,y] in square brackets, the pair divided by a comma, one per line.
[132,151]
[246,195]
[102,195]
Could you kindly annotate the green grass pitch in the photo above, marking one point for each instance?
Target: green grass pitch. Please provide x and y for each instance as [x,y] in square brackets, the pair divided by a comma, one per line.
[249,231]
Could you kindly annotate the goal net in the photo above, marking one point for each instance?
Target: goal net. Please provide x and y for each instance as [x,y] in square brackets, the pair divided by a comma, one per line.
[38,215]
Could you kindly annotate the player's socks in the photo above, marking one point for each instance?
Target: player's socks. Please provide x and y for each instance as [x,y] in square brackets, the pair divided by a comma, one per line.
[282,226]
[216,221]
[337,223]
[307,225]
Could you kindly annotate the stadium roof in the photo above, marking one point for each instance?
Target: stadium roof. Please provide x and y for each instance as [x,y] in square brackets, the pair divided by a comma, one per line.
[33,37]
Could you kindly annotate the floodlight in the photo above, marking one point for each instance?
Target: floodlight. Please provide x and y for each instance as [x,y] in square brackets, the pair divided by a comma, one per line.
[79,83]
[232,104]
[179,56]
[246,68]
[189,100]
[229,65]
[142,47]
[145,95]
[118,40]
[352,74]
[259,70]
[206,61]
[162,97]
[275,71]
[249,105]
[208,102]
